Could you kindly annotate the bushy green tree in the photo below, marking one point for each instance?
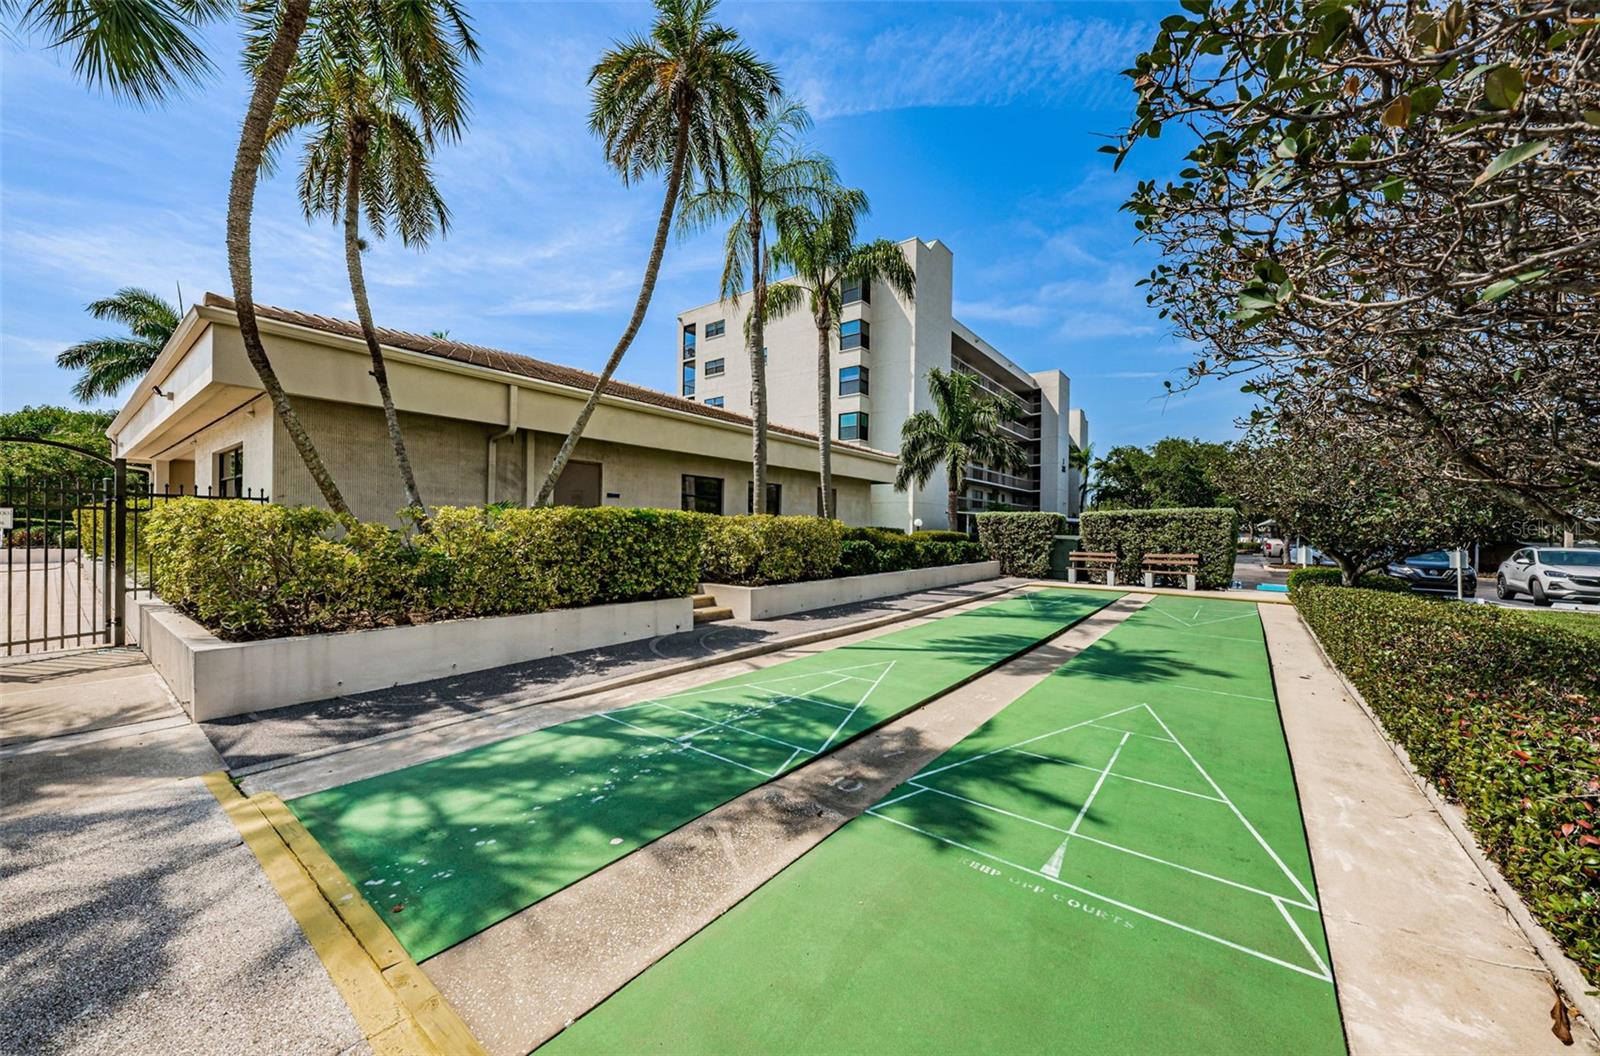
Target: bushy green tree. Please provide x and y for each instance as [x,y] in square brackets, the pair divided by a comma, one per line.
[1358,502]
[1173,472]
[86,429]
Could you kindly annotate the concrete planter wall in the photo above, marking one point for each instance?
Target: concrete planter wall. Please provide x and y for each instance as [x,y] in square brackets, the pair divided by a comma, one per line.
[761,603]
[213,679]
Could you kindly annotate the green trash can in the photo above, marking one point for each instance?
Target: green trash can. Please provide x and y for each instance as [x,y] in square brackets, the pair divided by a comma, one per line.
[1060,547]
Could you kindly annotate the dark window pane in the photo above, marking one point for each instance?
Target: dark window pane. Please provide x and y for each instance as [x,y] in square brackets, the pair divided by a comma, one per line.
[853,381]
[702,494]
[716,329]
[713,401]
[688,379]
[853,426]
[774,498]
[715,367]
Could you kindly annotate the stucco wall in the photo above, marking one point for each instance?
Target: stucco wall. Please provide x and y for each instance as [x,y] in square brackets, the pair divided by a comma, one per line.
[249,426]
[632,475]
[449,458]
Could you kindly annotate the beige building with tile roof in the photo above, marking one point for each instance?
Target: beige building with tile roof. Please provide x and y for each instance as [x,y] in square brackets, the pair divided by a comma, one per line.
[481,425]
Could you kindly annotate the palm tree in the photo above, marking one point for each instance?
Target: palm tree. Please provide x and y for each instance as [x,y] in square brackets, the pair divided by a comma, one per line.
[109,363]
[820,246]
[964,426]
[373,100]
[768,174]
[1081,459]
[144,49]
[671,102]
[141,50]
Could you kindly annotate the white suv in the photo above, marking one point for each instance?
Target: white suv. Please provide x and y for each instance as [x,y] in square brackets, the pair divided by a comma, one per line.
[1550,574]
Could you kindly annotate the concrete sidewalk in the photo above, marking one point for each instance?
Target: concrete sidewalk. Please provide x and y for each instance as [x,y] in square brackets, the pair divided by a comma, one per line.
[136,921]
[1426,958]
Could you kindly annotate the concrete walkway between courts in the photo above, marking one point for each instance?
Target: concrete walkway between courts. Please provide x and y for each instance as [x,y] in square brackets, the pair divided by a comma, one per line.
[1426,957]
[136,920]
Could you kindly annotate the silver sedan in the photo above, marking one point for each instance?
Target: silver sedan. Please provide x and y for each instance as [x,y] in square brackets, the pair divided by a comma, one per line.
[1550,574]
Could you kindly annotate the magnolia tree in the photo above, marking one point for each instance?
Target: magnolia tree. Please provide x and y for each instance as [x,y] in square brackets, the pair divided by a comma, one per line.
[1359,503]
[1390,221]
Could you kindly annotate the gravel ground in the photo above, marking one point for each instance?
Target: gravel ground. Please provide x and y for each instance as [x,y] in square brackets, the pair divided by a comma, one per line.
[283,734]
[142,924]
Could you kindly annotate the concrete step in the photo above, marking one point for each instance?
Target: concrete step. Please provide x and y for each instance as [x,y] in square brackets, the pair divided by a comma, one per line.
[704,601]
[707,615]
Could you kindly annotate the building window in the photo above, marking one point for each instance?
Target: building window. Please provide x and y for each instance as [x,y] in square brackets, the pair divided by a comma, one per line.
[688,341]
[230,473]
[713,401]
[853,426]
[714,367]
[716,329]
[688,379]
[702,494]
[853,381]
[774,498]
[855,334]
[855,291]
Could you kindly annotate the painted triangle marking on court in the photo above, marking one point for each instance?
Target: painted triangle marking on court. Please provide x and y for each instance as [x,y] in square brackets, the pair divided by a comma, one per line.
[1197,620]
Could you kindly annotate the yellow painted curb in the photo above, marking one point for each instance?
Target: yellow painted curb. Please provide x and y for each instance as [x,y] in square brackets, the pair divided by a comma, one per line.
[393,1002]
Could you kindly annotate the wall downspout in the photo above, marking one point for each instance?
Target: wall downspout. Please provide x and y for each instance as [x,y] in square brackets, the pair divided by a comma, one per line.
[491,476]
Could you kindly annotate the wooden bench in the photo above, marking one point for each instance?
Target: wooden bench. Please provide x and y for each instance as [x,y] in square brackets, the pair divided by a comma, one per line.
[1186,565]
[1084,560]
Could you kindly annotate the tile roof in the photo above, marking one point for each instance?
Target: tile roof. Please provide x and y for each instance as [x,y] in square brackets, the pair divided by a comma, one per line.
[514,363]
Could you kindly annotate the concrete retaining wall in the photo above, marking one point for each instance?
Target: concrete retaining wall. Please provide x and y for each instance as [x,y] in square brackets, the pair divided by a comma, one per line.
[213,679]
[761,603]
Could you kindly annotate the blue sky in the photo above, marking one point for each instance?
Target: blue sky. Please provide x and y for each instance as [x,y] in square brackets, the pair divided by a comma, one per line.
[975,124]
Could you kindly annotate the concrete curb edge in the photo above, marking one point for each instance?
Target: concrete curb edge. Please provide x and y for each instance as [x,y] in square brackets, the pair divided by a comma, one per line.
[393,1003]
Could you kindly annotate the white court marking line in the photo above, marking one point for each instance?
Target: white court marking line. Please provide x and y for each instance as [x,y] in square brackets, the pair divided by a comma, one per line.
[685,744]
[1220,692]
[1019,744]
[1323,977]
[1196,621]
[1052,868]
[1130,733]
[727,726]
[1295,880]
[712,691]
[769,682]
[1293,926]
[852,712]
[1121,777]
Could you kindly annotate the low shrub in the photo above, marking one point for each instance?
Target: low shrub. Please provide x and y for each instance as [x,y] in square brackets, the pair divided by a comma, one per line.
[1332,577]
[870,550]
[1131,534]
[1021,542]
[756,549]
[250,570]
[1501,711]
[939,535]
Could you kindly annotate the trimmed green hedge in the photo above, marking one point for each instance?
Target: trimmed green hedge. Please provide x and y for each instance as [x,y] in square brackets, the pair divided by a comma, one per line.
[1501,712]
[1301,578]
[1020,541]
[250,570]
[757,549]
[870,550]
[1211,533]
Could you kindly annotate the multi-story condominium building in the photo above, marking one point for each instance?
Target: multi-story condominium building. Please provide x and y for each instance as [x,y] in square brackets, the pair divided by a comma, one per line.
[881,355]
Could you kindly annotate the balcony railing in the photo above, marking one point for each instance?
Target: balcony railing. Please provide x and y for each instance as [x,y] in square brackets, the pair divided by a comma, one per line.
[984,475]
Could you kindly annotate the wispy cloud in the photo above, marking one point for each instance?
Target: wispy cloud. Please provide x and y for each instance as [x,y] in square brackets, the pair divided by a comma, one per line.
[969,60]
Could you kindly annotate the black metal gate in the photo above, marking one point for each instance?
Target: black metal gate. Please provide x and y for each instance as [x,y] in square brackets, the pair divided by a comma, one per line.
[73,554]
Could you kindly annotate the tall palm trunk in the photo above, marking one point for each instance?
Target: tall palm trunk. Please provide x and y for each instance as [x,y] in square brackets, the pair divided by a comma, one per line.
[758,366]
[359,137]
[241,204]
[669,206]
[953,497]
[824,416]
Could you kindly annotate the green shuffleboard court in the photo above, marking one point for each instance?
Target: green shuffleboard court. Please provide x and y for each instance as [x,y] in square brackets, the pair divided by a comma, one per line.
[447,848]
[1114,863]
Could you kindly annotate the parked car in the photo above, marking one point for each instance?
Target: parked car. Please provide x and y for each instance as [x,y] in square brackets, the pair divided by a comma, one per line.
[1548,574]
[1432,571]
[1274,549]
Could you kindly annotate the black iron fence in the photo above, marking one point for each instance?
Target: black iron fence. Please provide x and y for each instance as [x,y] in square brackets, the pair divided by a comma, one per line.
[72,549]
